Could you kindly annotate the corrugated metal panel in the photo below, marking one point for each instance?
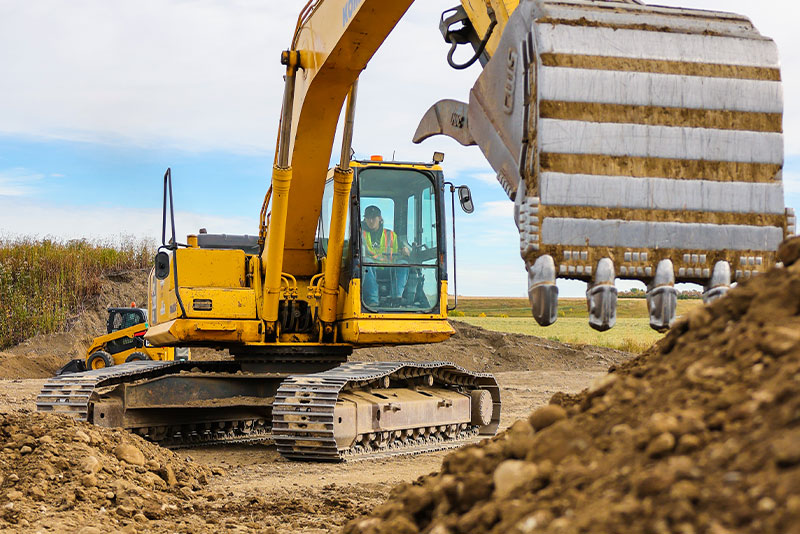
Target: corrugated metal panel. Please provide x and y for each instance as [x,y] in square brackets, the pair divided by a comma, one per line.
[574,137]
[638,234]
[659,193]
[666,46]
[668,90]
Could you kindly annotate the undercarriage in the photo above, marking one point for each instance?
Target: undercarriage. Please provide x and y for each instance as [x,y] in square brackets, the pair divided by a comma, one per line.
[323,411]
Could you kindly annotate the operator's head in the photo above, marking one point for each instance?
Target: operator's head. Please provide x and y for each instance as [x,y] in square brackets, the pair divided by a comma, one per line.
[372,217]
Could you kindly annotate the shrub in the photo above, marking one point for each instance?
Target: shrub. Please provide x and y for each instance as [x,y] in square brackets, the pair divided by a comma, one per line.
[44,283]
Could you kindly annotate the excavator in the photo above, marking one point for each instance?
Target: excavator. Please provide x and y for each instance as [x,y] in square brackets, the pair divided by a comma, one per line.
[636,142]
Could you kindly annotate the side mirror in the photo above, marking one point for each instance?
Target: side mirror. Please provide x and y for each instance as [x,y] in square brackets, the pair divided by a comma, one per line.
[162,265]
[465,198]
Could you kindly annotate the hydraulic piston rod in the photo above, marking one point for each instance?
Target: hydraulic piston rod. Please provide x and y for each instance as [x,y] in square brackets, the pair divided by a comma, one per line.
[342,180]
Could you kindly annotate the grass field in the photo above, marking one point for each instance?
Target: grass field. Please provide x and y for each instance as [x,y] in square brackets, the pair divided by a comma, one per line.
[632,332]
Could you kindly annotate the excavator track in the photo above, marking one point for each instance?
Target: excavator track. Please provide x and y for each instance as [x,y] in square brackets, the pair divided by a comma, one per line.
[201,435]
[75,395]
[155,400]
[304,418]
[70,394]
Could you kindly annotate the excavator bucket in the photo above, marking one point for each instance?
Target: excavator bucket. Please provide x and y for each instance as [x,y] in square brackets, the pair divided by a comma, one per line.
[637,142]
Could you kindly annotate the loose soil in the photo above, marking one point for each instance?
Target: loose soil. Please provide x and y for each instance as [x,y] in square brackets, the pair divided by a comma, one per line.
[253,490]
[700,434]
[55,466]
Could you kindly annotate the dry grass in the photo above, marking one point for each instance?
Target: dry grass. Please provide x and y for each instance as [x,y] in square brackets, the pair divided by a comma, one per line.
[44,282]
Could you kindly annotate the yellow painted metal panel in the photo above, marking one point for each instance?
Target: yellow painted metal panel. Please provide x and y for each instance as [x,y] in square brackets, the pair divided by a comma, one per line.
[395,331]
[225,303]
[398,165]
[337,42]
[102,340]
[479,16]
[154,353]
[186,331]
[199,267]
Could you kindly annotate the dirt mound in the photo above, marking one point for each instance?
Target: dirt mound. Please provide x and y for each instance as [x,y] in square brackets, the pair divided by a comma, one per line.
[700,434]
[62,473]
[42,355]
[477,349]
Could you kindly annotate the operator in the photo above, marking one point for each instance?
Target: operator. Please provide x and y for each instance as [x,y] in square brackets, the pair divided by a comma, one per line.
[381,245]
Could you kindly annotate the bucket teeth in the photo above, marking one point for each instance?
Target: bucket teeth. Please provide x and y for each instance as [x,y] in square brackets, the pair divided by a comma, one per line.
[601,297]
[542,290]
[662,298]
[720,282]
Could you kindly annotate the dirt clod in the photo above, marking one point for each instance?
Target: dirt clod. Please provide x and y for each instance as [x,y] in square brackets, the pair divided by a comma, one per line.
[661,445]
[546,416]
[512,474]
[129,453]
[789,251]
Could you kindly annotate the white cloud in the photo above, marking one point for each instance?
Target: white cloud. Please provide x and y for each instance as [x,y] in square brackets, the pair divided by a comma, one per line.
[37,219]
[18,182]
[205,75]
[497,208]
[197,75]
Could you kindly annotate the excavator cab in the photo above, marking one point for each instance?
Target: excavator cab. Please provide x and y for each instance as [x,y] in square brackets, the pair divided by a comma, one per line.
[398,236]
[394,261]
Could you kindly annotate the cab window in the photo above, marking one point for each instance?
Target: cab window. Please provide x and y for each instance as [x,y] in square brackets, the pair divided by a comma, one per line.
[399,248]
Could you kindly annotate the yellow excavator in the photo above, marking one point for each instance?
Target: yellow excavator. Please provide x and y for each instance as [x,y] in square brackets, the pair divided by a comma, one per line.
[636,141]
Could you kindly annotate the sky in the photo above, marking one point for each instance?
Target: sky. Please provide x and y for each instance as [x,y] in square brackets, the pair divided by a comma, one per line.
[99,97]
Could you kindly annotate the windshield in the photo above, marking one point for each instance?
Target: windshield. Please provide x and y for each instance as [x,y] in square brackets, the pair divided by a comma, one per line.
[399,245]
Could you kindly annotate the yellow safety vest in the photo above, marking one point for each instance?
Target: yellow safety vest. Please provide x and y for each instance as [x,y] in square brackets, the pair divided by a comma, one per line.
[387,245]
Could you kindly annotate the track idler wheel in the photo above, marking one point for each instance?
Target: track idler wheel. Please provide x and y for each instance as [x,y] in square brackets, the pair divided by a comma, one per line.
[481,405]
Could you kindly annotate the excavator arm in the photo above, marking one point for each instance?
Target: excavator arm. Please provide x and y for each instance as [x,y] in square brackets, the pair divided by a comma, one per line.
[333,42]
[637,142]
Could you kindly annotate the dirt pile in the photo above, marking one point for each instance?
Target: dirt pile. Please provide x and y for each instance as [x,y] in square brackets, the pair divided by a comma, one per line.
[65,474]
[701,434]
[478,349]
